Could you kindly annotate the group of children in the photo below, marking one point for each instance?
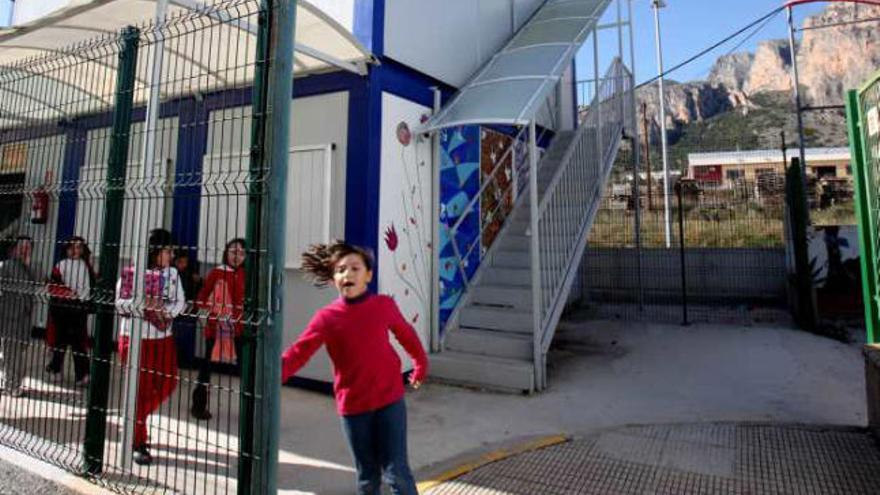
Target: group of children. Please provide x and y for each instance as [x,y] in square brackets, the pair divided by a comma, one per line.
[354,328]
[221,299]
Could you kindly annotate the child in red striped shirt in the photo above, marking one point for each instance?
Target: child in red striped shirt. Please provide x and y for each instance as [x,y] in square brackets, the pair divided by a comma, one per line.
[367,382]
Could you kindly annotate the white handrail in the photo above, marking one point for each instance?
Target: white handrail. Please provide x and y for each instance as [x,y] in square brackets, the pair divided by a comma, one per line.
[569,203]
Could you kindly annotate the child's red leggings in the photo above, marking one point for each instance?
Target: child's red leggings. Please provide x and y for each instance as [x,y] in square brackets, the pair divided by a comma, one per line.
[156,381]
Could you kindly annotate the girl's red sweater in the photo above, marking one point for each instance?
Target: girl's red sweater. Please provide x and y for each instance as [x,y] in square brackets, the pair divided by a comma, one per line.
[235,281]
[366,366]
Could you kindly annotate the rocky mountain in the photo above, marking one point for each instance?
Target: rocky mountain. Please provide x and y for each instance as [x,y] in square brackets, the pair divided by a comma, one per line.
[837,57]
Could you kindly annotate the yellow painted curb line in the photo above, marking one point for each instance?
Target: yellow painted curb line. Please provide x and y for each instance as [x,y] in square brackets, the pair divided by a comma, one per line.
[489,458]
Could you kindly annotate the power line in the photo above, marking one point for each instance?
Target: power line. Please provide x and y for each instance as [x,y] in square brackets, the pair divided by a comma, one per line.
[713,47]
[838,24]
[753,33]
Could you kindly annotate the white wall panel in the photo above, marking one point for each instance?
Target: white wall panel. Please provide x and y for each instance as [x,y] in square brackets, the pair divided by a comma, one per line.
[405,223]
[43,164]
[341,11]
[452,39]
[148,199]
[317,121]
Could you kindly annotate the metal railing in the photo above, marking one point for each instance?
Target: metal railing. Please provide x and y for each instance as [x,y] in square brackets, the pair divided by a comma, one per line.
[492,205]
[562,219]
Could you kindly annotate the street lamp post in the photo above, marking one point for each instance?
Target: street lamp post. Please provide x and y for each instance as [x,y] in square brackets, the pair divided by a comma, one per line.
[657,5]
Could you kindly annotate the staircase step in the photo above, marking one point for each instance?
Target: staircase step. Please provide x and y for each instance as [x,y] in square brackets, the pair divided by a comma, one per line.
[509,375]
[489,343]
[512,276]
[509,296]
[511,259]
[500,319]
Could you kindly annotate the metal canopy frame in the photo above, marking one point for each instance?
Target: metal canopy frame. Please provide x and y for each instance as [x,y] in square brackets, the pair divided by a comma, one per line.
[341,51]
[525,83]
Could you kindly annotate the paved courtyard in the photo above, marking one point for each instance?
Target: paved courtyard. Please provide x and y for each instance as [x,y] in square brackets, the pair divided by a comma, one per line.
[604,377]
[688,459]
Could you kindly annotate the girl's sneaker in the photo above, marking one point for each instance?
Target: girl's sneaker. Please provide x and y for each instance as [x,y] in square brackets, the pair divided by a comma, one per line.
[83,382]
[142,456]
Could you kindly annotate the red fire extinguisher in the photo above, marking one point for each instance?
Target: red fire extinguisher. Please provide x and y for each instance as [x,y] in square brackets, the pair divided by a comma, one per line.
[40,202]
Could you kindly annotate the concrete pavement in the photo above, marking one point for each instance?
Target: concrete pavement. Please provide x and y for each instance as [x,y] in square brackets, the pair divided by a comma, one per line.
[603,375]
[687,460]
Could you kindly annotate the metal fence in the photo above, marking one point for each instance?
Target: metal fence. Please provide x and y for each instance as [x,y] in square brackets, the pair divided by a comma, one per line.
[728,151]
[718,255]
[134,187]
[863,112]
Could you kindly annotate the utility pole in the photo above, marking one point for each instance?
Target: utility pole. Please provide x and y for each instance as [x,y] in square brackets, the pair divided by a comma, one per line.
[647,155]
[657,5]
[797,90]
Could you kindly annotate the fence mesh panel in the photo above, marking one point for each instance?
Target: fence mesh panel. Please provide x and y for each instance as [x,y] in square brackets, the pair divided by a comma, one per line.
[135,274]
[732,215]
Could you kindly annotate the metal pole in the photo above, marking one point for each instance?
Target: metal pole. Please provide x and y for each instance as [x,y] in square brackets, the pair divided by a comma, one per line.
[141,226]
[99,388]
[797,91]
[596,105]
[435,230]
[648,157]
[681,241]
[637,193]
[267,221]
[256,291]
[537,339]
[657,4]
[282,15]
[620,57]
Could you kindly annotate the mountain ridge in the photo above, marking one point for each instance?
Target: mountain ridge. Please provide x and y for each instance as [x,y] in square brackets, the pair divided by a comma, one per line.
[837,57]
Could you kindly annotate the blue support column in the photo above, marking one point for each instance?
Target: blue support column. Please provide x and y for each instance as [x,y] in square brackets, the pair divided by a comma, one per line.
[364,155]
[191,146]
[74,157]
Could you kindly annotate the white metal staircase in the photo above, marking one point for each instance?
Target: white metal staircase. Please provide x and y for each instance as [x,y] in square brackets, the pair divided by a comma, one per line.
[502,329]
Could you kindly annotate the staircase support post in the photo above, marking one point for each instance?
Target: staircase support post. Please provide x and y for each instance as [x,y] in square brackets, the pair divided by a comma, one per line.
[597,98]
[637,152]
[538,351]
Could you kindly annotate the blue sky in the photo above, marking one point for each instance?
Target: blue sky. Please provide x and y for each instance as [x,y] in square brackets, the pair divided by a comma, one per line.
[5,10]
[687,27]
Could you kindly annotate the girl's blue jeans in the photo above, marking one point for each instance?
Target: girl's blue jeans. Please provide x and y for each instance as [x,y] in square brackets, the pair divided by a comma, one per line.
[378,444]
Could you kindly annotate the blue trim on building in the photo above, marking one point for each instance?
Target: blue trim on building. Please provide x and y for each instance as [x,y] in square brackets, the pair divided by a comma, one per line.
[74,157]
[191,146]
[408,83]
[331,82]
[378,48]
[363,167]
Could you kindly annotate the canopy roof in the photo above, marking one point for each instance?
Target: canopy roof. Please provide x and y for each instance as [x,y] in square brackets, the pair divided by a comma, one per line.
[214,43]
[517,80]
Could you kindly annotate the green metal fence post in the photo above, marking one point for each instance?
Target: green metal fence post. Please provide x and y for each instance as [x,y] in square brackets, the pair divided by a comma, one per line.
[270,143]
[253,294]
[867,234]
[278,153]
[99,386]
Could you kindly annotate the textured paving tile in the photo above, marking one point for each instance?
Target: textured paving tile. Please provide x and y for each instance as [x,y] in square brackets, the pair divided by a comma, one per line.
[688,460]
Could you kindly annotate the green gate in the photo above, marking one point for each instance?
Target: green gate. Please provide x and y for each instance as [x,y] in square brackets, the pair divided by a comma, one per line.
[863,117]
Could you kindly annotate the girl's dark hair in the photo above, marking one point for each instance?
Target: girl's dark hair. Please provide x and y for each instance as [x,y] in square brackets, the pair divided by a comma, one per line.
[86,255]
[232,242]
[319,261]
[160,239]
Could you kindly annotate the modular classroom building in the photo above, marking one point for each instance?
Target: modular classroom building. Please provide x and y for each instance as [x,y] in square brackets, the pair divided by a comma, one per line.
[359,171]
